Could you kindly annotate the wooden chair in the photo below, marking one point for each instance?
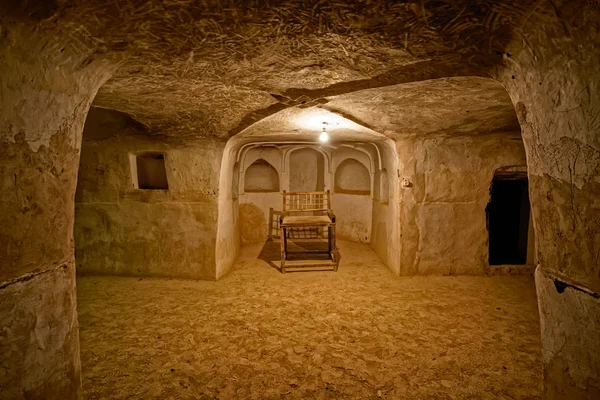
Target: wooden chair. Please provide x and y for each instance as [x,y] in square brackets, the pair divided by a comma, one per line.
[308,211]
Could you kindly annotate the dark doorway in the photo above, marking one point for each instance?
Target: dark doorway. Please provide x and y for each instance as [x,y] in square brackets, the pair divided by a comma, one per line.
[508,221]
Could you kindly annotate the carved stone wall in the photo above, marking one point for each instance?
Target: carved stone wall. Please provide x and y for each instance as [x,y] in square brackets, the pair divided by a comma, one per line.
[46,94]
[123,230]
[442,204]
[553,79]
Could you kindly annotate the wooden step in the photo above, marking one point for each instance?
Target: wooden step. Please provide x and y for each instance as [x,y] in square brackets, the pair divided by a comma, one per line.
[309,265]
[310,269]
[314,263]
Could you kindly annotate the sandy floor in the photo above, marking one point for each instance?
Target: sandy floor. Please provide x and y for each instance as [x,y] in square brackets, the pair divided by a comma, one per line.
[358,333]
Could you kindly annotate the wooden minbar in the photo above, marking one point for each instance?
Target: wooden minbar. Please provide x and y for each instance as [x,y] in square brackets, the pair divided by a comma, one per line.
[308,216]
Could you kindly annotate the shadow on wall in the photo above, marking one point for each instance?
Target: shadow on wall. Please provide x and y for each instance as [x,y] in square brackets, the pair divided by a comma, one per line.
[252,223]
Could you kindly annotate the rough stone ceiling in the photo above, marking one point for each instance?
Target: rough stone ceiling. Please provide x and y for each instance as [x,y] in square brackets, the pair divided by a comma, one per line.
[445,106]
[452,106]
[212,68]
[305,125]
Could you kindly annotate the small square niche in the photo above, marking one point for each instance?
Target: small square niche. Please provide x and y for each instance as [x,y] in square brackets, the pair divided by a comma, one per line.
[150,171]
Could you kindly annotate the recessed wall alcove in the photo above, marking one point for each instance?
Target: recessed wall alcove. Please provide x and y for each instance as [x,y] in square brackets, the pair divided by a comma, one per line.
[352,177]
[150,171]
[261,177]
[306,170]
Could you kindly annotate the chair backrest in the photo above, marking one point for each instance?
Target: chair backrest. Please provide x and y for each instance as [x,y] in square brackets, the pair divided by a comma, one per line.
[306,201]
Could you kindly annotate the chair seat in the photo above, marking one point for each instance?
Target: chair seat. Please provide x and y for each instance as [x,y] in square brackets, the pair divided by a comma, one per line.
[306,220]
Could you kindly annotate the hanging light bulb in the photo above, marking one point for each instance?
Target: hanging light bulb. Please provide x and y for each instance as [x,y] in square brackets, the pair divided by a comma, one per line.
[324,136]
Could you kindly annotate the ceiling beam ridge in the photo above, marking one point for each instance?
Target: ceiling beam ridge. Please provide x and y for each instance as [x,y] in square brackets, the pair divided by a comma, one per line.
[442,67]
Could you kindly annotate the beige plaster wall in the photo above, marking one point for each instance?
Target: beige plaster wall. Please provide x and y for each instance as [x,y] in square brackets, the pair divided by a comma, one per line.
[353,208]
[122,230]
[228,239]
[299,168]
[385,237]
[353,216]
[254,207]
[445,187]
[306,171]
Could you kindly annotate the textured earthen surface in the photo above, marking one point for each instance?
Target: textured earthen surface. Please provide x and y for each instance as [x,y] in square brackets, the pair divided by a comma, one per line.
[212,69]
[442,210]
[452,106]
[571,366]
[552,79]
[45,94]
[558,111]
[122,230]
[40,339]
[360,333]
[41,118]
[229,62]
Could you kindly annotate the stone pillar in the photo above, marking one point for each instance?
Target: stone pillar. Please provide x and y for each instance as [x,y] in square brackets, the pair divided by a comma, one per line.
[46,87]
[553,78]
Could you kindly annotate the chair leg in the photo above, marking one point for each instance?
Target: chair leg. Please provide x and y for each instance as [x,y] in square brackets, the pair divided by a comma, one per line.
[336,254]
[283,249]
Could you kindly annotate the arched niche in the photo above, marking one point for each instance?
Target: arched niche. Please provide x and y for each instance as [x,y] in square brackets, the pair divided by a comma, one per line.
[363,156]
[306,170]
[261,177]
[384,184]
[352,177]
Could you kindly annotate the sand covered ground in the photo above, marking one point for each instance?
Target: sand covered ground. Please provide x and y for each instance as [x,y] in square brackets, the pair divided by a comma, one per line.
[360,333]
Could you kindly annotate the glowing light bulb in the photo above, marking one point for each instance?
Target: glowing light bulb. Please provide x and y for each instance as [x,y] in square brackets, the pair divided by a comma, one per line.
[324,136]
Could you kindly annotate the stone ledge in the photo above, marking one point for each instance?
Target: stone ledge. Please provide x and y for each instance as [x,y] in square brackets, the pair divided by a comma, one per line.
[510,269]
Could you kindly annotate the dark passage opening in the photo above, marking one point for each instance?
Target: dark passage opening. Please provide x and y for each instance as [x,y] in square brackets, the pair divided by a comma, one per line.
[508,221]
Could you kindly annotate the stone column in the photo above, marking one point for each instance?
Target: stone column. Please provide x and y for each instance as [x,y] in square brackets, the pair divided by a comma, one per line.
[46,87]
[553,78]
